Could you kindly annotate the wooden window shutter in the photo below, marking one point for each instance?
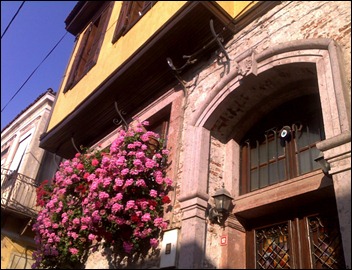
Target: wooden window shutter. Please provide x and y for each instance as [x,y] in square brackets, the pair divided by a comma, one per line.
[122,21]
[147,5]
[89,48]
[98,39]
[135,12]
[73,73]
[81,70]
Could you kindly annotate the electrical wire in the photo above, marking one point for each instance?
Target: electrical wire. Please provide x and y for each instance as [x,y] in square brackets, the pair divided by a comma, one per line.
[34,71]
[14,16]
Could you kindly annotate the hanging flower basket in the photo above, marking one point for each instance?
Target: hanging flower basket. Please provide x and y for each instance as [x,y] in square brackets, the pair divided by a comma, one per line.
[114,198]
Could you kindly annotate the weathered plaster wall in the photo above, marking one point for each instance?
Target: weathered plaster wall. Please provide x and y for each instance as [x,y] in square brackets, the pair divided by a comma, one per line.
[11,251]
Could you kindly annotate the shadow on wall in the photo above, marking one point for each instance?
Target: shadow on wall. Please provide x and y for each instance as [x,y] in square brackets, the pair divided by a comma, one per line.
[143,260]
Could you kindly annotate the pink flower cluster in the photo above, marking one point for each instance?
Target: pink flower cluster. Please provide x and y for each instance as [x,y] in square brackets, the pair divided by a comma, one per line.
[117,196]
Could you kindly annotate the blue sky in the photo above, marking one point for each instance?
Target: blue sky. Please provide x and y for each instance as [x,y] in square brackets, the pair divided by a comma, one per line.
[36,29]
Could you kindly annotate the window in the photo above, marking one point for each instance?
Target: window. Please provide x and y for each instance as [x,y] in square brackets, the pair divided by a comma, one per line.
[312,241]
[272,247]
[48,167]
[21,150]
[159,123]
[4,154]
[89,47]
[161,128]
[325,242]
[282,145]
[131,12]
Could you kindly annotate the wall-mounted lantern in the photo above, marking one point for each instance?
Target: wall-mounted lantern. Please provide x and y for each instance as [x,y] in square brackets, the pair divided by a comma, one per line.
[325,166]
[223,203]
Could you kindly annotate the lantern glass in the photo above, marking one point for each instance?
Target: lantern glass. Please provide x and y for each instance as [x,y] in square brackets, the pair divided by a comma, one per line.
[222,200]
[226,203]
[218,202]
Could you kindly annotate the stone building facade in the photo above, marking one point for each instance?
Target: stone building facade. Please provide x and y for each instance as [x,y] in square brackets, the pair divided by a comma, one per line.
[285,72]
[291,33]
[23,167]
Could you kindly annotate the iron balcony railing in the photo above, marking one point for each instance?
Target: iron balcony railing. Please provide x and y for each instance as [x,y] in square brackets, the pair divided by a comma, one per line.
[18,193]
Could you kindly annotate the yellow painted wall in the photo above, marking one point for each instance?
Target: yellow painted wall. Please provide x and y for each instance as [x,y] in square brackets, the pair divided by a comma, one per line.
[10,249]
[236,7]
[113,55]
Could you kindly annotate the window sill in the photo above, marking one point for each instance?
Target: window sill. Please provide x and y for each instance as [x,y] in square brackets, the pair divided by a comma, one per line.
[250,204]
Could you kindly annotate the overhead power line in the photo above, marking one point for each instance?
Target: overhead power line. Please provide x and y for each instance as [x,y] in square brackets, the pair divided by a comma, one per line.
[14,16]
[34,71]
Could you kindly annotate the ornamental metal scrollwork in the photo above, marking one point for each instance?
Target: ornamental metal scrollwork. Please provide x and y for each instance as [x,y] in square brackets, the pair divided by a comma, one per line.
[74,145]
[121,119]
[191,59]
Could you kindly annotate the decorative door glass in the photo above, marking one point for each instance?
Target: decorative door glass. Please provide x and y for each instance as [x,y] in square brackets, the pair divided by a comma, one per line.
[273,250]
[325,243]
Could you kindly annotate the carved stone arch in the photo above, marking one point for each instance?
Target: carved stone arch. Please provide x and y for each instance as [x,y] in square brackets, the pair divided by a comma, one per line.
[236,102]
[232,107]
[316,59]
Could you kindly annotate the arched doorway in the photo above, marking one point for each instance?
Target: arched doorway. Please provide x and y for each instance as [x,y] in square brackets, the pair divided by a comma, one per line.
[289,223]
[299,230]
[238,102]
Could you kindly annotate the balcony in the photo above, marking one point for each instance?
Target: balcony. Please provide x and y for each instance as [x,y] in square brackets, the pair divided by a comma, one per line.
[18,193]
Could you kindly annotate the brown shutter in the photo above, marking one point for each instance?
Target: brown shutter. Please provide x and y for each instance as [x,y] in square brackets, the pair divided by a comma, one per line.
[147,5]
[98,39]
[122,21]
[73,73]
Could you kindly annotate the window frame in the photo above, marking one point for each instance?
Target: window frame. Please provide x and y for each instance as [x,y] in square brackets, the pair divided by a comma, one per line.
[128,9]
[259,138]
[161,127]
[21,150]
[89,46]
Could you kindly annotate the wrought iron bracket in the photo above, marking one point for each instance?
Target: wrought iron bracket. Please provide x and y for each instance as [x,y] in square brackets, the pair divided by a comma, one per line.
[120,120]
[191,59]
[74,145]
[175,72]
[219,40]
[217,217]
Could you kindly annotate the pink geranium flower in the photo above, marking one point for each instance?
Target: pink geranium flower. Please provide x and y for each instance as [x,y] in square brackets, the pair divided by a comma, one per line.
[74,251]
[95,162]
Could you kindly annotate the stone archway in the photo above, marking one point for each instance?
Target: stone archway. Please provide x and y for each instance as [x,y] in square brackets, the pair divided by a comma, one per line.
[321,55]
[316,63]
